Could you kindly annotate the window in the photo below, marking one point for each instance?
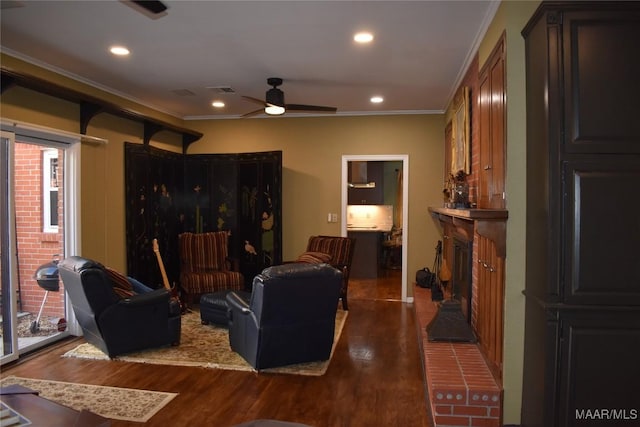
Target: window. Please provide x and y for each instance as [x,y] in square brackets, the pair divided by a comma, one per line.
[50,191]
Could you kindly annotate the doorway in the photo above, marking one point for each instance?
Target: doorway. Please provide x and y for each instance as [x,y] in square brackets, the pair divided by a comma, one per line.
[37,228]
[401,208]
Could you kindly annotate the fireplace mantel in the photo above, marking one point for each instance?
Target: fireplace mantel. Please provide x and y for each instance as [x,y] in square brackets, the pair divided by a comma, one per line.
[490,223]
[472,214]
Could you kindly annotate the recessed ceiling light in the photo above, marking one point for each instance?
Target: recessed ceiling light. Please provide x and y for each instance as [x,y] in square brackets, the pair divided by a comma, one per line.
[218,104]
[363,37]
[119,50]
[376,99]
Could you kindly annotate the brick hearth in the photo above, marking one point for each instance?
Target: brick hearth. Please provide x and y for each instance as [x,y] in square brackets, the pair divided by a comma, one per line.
[462,390]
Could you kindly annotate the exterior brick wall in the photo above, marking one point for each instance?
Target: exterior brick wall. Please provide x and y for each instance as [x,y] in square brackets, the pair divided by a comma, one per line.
[34,246]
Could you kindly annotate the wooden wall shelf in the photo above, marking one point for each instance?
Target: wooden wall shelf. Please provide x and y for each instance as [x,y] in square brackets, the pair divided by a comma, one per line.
[91,106]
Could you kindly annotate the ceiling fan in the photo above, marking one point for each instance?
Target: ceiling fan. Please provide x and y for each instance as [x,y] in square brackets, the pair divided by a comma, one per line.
[153,7]
[274,104]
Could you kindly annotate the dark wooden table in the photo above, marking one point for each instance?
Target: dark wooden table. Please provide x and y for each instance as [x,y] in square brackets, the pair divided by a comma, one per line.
[44,412]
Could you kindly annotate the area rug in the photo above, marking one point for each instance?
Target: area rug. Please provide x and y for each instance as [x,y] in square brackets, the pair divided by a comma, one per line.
[110,402]
[207,346]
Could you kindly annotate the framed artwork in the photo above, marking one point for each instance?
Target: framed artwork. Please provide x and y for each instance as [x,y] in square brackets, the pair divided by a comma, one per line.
[460,141]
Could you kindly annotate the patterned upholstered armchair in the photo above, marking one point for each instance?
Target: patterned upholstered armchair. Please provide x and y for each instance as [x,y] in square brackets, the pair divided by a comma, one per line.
[341,251]
[205,266]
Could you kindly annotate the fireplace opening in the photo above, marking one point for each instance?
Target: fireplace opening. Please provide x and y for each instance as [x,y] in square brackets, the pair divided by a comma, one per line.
[461,277]
[452,323]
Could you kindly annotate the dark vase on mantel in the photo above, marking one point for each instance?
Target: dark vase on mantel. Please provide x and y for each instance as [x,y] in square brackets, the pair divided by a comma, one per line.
[461,195]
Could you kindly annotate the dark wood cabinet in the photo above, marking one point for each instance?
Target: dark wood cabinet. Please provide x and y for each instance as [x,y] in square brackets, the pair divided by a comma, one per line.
[582,321]
[366,255]
[367,196]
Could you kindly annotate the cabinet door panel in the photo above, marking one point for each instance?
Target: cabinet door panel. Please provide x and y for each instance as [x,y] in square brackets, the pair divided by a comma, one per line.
[602,234]
[485,175]
[498,145]
[490,302]
[492,133]
[601,104]
[599,365]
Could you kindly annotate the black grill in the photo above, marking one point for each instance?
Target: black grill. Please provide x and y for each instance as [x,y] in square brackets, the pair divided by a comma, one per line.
[47,276]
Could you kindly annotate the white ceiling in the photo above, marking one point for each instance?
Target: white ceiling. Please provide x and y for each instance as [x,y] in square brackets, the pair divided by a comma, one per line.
[420,51]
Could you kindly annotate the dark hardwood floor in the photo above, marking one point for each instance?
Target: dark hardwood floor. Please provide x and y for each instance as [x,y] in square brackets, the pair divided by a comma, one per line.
[387,287]
[375,377]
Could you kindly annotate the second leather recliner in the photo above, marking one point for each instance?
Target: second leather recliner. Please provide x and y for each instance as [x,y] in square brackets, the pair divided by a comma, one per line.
[290,318]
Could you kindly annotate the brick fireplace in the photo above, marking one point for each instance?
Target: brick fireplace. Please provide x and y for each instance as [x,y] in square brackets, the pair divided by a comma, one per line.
[462,390]
[464,379]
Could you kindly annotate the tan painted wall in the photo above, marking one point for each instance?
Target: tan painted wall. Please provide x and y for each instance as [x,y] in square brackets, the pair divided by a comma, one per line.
[312,155]
[102,168]
[312,160]
[511,17]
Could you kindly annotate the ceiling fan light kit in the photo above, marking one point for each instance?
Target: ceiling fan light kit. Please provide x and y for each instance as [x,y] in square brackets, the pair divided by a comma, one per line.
[274,98]
[274,110]
[274,104]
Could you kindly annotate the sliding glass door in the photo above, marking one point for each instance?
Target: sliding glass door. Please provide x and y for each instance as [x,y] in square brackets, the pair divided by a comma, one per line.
[7,260]
[34,233]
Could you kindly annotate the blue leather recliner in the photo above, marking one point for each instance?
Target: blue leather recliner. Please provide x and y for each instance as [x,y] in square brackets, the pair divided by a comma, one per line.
[113,324]
[290,317]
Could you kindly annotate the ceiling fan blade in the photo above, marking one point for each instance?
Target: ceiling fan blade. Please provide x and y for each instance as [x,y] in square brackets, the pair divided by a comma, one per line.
[302,107]
[256,100]
[153,6]
[252,113]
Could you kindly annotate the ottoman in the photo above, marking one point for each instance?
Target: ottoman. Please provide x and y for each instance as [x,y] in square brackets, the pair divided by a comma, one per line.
[214,307]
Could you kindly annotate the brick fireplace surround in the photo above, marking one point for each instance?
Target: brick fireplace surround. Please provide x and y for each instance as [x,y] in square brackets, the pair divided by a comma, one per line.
[462,390]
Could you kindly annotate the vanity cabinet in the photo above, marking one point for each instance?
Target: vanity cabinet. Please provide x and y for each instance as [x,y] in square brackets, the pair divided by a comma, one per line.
[582,321]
